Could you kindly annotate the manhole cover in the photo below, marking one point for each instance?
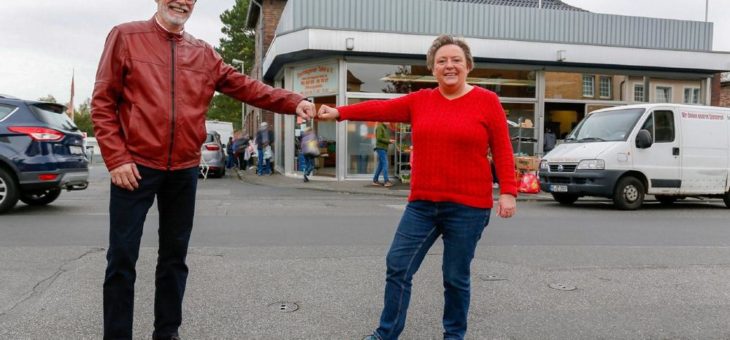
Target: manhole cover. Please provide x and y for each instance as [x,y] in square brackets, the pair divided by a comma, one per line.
[561,286]
[492,278]
[285,307]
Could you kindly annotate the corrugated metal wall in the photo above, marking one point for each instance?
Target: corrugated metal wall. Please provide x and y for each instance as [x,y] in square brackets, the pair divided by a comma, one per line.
[496,22]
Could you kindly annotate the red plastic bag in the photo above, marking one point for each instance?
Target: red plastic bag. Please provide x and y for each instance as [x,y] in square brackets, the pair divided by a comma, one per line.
[529,184]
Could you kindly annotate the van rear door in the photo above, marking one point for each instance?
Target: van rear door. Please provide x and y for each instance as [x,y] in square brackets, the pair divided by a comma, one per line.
[661,162]
[704,150]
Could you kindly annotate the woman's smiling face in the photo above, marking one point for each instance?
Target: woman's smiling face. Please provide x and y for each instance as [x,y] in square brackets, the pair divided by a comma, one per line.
[450,66]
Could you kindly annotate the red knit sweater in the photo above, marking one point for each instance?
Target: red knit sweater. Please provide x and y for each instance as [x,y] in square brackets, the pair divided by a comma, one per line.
[451,140]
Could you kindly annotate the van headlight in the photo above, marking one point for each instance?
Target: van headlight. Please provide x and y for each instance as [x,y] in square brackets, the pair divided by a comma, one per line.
[544,165]
[591,164]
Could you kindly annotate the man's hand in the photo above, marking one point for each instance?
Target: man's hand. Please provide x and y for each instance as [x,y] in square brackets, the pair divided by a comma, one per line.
[507,206]
[327,113]
[126,176]
[306,110]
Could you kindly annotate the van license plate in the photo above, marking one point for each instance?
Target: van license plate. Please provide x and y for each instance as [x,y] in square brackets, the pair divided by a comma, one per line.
[75,150]
[558,188]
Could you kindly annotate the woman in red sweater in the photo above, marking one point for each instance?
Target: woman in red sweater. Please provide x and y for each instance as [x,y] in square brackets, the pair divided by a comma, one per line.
[452,200]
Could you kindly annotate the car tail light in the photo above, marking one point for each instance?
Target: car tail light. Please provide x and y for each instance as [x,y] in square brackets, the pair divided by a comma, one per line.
[212,147]
[38,133]
[47,177]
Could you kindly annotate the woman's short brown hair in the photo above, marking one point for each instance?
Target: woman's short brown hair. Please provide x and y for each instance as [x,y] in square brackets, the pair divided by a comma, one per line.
[443,40]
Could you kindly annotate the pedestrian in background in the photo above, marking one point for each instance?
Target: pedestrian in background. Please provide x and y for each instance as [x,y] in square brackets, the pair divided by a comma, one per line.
[264,139]
[452,200]
[230,160]
[149,119]
[309,148]
[382,141]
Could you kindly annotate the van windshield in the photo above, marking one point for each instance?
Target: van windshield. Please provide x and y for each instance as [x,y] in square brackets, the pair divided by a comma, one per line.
[606,126]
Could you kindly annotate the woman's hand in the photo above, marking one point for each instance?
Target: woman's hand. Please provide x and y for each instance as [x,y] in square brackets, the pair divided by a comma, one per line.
[507,206]
[327,113]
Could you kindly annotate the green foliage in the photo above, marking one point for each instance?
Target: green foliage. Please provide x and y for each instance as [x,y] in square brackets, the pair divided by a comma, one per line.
[82,118]
[238,43]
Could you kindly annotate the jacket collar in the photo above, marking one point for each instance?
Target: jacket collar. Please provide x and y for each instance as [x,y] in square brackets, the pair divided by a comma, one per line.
[164,32]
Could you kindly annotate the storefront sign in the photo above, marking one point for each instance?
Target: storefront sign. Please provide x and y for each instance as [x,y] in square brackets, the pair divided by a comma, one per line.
[316,80]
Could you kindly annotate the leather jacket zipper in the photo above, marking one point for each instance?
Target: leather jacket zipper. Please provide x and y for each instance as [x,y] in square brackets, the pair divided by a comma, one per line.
[172,91]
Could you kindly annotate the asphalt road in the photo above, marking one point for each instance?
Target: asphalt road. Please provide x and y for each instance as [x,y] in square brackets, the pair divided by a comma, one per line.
[552,272]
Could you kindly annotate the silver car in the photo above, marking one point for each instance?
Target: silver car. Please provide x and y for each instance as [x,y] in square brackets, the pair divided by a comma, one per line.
[213,155]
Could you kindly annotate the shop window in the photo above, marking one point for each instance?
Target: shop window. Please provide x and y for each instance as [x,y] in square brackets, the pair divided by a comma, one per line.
[639,93]
[522,129]
[384,78]
[588,86]
[605,87]
[663,94]
[691,95]
[361,158]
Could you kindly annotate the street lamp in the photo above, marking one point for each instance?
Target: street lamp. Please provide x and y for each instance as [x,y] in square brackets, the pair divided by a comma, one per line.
[243,104]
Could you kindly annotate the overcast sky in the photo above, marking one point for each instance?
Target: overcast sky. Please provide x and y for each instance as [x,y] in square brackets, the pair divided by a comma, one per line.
[44,40]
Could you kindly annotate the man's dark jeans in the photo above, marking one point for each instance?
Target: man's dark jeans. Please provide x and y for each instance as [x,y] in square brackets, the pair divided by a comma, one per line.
[175,192]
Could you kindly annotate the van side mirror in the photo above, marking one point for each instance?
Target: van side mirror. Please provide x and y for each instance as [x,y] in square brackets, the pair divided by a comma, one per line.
[643,139]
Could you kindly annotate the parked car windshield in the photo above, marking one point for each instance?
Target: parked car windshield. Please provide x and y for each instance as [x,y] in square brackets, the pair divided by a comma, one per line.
[54,115]
[606,126]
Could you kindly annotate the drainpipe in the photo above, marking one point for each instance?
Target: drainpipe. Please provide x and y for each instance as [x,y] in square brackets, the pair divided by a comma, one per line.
[260,36]
[540,5]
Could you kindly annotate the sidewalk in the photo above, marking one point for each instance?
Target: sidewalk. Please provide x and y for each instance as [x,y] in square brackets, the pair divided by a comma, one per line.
[350,186]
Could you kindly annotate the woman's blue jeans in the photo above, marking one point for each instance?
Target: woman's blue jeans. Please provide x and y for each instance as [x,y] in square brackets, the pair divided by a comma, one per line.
[382,165]
[460,227]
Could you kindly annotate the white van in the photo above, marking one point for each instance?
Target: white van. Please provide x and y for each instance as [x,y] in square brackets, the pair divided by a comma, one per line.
[668,150]
[224,129]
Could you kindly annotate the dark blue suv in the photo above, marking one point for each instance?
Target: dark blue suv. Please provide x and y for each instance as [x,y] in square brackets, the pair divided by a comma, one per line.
[41,153]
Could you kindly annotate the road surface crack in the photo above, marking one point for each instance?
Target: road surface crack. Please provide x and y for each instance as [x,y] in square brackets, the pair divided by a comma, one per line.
[42,285]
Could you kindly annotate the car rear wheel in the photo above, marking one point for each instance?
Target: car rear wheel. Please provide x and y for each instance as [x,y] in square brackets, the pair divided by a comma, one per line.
[565,199]
[629,194]
[8,191]
[40,197]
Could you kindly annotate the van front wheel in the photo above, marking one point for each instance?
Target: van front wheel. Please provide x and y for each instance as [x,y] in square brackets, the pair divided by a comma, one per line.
[629,194]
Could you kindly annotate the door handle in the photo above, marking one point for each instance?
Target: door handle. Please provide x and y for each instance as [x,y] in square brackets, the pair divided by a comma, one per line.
[675,151]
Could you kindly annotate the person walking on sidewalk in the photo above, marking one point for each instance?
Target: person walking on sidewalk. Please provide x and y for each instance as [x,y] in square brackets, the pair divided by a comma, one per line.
[264,141]
[152,91]
[309,149]
[452,200]
[382,141]
[230,158]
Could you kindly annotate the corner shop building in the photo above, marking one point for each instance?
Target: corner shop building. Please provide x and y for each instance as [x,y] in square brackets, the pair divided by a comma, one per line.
[550,66]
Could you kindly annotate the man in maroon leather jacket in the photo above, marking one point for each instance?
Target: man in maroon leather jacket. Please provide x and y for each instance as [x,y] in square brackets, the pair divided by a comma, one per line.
[152,91]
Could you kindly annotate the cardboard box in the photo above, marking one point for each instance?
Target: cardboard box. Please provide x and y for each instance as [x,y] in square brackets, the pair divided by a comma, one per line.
[527,163]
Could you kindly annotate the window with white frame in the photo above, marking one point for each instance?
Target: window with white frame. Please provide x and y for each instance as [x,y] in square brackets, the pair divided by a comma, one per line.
[588,86]
[604,87]
[663,94]
[639,92]
[691,95]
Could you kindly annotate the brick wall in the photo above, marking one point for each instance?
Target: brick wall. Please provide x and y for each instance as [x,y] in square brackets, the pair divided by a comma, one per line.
[724,97]
[265,32]
[715,90]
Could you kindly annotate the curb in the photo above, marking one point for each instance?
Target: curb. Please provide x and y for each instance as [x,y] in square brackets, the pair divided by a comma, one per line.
[348,187]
